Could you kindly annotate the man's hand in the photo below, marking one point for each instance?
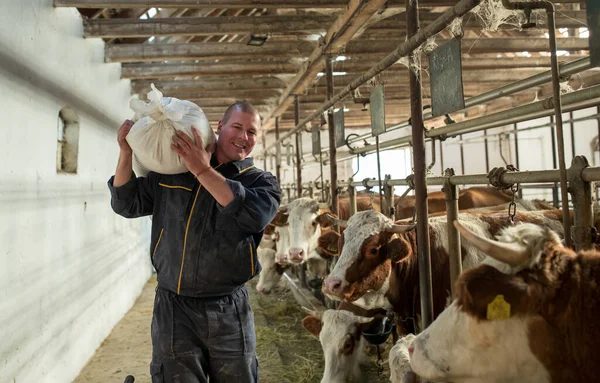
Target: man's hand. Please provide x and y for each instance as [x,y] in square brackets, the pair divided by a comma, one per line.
[122,137]
[196,159]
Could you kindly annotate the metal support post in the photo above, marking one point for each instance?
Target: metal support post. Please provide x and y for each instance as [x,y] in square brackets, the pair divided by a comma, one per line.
[581,192]
[515,130]
[451,194]
[556,100]
[332,149]
[278,152]
[298,148]
[264,145]
[487,152]
[388,191]
[311,190]
[352,197]
[418,140]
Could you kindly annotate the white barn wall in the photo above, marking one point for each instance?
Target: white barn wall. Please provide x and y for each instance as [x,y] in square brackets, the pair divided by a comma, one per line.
[69,267]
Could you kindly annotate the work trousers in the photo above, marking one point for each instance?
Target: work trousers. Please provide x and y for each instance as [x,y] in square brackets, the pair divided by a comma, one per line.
[194,339]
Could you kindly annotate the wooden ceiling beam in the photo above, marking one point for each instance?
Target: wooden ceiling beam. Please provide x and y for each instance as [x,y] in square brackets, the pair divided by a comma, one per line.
[195,4]
[206,51]
[150,71]
[338,35]
[205,26]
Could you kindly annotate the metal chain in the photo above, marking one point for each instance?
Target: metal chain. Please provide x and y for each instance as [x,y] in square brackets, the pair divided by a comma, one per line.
[512,206]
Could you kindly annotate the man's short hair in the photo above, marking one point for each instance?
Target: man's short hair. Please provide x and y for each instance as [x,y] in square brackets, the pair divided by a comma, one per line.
[241,106]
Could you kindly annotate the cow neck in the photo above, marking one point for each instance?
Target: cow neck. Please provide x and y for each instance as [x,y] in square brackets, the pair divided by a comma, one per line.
[359,311]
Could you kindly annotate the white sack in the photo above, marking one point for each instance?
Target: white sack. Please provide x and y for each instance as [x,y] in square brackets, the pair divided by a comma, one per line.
[151,135]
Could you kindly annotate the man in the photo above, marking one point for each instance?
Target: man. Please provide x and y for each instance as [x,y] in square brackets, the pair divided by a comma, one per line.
[206,226]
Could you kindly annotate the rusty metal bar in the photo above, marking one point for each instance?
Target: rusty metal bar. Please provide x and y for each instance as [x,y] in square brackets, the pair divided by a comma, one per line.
[549,8]
[451,195]
[332,149]
[298,149]
[418,141]
[460,9]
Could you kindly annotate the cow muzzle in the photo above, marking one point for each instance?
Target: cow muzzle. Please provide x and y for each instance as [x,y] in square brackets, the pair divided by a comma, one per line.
[334,286]
[296,255]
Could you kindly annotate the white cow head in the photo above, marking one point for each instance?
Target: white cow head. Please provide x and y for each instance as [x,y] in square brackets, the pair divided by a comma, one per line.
[340,334]
[271,271]
[305,222]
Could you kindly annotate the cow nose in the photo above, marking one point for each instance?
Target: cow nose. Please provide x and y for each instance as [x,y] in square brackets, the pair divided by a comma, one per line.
[332,285]
[411,349]
[296,254]
[280,258]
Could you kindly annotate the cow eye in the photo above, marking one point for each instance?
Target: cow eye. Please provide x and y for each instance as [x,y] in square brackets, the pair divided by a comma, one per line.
[314,223]
[373,250]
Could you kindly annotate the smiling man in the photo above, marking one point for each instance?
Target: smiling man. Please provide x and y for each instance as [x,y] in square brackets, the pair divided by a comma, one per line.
[206,226]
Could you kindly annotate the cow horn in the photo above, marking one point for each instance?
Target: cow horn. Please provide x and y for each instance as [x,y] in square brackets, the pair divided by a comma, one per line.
[339,222]
[315,313]
[399,229]
[510,253]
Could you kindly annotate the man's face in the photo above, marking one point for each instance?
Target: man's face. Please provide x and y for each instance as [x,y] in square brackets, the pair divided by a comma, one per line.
[237,136]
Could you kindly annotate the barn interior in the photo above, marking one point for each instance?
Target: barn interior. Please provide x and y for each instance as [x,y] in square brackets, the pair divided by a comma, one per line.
[332,81]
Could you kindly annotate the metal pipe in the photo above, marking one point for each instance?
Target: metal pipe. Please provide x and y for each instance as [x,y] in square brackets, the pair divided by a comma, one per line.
[571,68]
[433,159]
[525,177]
[388,191]
[379,172]
[577,100]
[572,127]
[278,152]
[298,148]
[549,7]
[487,151]
[462,157]
[555,200]
[460,9]
[517,164]
[352,196]
[441,154]
[418,142]
[451,195]
[264,143]
[582,204]
[332,149]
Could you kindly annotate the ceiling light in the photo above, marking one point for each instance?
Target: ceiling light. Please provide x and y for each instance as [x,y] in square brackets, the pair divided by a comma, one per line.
[257,40]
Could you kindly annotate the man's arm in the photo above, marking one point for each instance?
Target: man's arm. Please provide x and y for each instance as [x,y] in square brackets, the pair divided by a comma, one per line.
[131,197]
[253,208]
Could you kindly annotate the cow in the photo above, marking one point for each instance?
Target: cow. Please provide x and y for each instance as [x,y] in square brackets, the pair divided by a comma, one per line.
[307,220]
[271,271]
[528,314]
[378,267]
[477,196]
[340,334]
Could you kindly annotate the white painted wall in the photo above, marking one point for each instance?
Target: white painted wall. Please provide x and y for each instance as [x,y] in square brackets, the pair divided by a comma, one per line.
[69,267]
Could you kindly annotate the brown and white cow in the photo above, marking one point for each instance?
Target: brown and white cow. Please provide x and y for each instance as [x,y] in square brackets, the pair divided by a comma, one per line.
[528,314]
[340,334]
[378,264]
[306,221]
[477,196]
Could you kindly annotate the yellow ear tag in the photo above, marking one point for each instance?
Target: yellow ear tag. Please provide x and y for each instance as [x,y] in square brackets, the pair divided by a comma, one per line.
[498,309]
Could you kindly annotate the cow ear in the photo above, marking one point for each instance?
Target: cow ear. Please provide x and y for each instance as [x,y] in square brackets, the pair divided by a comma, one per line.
[482,286]
[323,220]
[397,249]
[328,243]
[312,324]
